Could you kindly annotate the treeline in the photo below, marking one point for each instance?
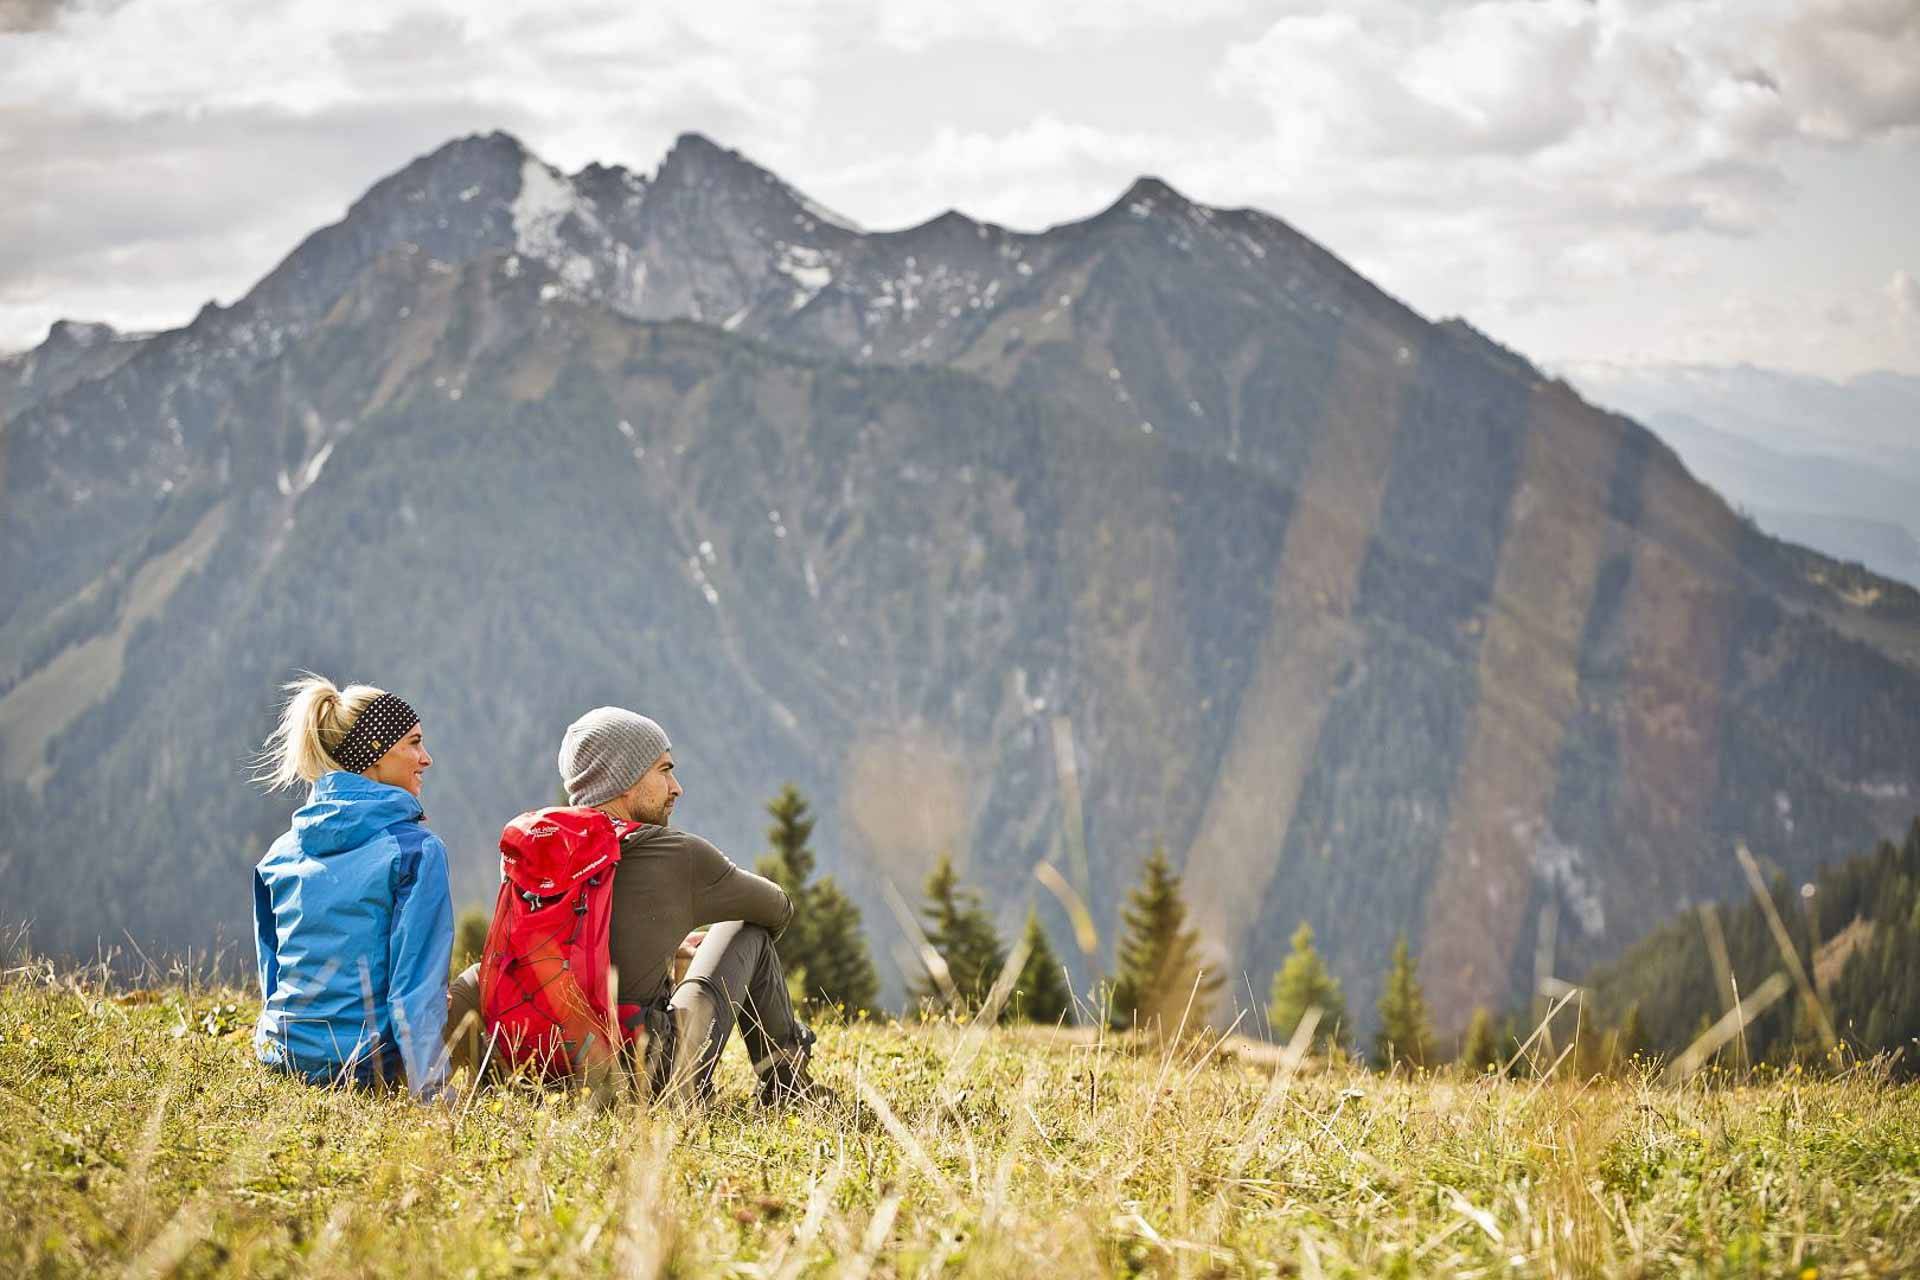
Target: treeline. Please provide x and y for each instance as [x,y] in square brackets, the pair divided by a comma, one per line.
[1160,981]
[1853,934]
[1844,950]
[1822,976]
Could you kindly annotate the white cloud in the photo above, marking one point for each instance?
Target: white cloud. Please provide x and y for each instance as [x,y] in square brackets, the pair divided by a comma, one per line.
[1026,178]
[1852,66]
[1903,292]
[1509,155]
[575,68]
[918,24]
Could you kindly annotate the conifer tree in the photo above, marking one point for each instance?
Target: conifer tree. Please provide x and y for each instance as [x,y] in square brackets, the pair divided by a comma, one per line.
[824,949]
[959,928]
[1406,1034]
[1481,1048]
[1303,983]
[1042,995]
[839,970]
[1160,979]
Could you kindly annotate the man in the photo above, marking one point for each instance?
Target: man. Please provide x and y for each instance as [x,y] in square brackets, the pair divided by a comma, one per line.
[668,883]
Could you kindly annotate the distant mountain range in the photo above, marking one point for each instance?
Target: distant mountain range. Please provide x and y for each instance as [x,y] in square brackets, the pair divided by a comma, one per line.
[1160,526]
[1834,465]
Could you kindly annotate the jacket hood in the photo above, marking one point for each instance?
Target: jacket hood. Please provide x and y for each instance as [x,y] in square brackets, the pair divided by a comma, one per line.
[345,811]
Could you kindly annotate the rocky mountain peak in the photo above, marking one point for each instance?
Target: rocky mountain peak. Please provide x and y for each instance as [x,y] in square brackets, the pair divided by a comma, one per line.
[1153,193]
[695,160]
[613,189]
[76,335]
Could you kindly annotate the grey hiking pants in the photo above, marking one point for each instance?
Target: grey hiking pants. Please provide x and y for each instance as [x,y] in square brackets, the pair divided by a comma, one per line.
[733,979]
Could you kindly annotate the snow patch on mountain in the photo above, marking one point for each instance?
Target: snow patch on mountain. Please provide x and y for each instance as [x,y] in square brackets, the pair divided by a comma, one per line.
[1562,867]
[545,202]
[808,269]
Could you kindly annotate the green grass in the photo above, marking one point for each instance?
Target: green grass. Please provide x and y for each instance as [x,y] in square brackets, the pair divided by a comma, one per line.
[137,1136]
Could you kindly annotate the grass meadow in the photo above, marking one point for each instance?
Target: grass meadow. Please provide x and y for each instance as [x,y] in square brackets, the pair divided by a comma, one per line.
[139,1138]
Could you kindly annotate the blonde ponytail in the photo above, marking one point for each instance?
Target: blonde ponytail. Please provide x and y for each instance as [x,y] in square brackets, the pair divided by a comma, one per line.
[312,724]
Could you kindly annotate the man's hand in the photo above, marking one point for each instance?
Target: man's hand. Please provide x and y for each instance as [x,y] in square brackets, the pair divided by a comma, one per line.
[684,954]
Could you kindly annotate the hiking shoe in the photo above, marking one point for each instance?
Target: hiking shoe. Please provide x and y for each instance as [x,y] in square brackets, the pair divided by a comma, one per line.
[796,1088]
[789,1082]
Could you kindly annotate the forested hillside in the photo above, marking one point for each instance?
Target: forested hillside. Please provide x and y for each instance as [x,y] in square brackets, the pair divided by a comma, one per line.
[1855,929]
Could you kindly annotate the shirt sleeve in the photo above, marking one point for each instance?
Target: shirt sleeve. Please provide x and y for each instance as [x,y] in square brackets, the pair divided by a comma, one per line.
[266,937]
[419,952]
[724,891]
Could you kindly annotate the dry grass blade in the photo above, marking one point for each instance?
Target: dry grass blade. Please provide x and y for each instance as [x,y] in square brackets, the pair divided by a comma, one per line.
[1539,1029]
[138,1183]
[167,1250]
[1084,932]
[930,958]
[793,1259]
[1166,1058]
[903,1136]
[644,1240]
[878,1228]
[1717,953]
[1477,1216]
[1788,952]
[1540,1080]
[985,1017]
[1206,1052]
[1731,1024]
[1265,1116]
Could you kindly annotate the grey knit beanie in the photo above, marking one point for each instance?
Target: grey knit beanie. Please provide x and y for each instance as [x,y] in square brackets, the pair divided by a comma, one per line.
[605,751]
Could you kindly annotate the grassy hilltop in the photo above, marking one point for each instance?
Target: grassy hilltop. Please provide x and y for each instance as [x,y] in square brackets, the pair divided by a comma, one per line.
[136,1134]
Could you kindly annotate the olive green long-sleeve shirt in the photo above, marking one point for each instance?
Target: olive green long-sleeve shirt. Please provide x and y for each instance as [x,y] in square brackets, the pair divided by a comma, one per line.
[669,883]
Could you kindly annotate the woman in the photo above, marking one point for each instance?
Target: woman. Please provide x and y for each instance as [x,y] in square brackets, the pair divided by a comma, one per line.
[351,910]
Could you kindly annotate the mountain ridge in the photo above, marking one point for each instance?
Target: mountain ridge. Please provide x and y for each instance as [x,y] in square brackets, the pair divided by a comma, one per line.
[1164,523]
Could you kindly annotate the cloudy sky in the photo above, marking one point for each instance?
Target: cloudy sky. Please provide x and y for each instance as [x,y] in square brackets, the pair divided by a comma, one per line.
[1621,180]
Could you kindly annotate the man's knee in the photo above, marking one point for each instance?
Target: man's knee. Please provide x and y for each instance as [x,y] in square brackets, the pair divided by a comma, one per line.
[699,993]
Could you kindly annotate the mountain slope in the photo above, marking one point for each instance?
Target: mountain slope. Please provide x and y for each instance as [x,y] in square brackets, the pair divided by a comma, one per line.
[1374,624]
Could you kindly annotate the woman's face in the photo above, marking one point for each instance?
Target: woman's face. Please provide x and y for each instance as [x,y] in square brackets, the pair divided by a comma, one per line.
[403,764]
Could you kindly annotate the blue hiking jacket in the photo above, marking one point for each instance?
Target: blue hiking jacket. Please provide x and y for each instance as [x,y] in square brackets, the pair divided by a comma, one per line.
[353,921]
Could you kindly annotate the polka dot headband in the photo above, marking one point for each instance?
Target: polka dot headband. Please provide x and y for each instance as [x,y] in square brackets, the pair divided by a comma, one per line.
[384,722]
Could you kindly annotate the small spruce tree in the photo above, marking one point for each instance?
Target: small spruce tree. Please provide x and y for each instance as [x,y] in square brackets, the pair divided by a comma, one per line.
[839,970]
[1406,1034]
[959,928]
[1481,1047]
[824,949]
[1304,983]
[1042,994]
[1160,980]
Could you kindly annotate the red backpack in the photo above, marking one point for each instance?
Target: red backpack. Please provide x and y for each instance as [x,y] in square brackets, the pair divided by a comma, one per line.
[543,980]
